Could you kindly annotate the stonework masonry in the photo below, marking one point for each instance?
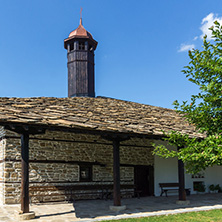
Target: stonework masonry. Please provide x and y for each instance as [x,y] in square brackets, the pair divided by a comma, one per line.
[2,154]
[1,184]
[56,157]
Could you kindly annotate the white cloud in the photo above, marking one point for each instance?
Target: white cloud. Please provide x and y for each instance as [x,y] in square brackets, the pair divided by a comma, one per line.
[207,22]
[186,47]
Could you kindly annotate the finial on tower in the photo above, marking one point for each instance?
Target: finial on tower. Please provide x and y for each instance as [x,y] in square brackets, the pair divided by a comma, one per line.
[80,16]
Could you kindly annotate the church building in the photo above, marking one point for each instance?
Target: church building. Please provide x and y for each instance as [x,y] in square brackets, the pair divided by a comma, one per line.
[87,147]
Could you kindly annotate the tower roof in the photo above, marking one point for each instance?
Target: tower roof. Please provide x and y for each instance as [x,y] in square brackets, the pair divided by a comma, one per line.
[80,32]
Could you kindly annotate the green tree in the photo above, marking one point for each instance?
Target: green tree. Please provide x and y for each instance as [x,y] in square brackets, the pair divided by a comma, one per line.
[205,109]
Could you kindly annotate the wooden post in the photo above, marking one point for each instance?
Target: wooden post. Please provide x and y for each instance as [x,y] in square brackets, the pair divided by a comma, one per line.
[25,173]
[182,192]
[116,174]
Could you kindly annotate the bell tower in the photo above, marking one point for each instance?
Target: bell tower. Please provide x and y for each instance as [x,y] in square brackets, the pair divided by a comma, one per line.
[80,47]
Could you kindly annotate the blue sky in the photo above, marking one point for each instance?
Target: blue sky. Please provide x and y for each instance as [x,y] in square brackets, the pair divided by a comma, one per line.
[142,46]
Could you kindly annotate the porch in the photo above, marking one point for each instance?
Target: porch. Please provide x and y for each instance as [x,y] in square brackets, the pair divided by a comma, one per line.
[96,210]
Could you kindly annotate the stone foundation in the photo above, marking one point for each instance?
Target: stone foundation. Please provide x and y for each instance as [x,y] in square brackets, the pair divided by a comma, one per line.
[55,158]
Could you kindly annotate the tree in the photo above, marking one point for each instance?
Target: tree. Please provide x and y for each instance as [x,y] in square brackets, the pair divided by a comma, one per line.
[204,111]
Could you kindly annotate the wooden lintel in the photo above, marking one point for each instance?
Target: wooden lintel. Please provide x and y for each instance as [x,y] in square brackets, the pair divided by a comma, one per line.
[115,137]
[24,128]
[39,129]
[12,127]
[66,181]
[96,163]
[133,165]
[78,141]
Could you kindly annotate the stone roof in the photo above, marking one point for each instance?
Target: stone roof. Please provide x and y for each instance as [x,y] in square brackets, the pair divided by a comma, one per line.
[103,114]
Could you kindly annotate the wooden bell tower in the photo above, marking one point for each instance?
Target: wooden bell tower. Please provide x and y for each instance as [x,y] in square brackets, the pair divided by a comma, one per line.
[80,47]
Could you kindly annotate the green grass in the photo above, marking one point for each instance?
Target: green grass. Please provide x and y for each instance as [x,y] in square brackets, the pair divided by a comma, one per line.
[211,216]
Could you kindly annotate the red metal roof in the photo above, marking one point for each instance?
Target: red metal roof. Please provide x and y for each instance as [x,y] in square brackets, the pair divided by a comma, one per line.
[80,32]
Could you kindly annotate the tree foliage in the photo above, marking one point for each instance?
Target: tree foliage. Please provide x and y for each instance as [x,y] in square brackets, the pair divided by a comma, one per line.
[205,109]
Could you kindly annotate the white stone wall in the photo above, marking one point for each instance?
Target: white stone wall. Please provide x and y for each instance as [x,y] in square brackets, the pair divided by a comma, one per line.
[166,171]
[211,175]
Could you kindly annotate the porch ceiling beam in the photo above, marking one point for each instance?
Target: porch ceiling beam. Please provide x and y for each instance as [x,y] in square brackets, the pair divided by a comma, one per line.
[40,128]
[115,137]
[20,129]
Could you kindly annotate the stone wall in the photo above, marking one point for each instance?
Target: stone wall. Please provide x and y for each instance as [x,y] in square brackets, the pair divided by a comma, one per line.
[1,183]
[2,151]
[54,158]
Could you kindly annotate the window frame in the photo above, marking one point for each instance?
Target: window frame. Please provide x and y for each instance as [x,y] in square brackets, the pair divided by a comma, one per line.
[81,169]
[81,45]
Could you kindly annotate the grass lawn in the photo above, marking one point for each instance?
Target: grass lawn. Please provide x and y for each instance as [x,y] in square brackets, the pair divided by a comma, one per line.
[211,215]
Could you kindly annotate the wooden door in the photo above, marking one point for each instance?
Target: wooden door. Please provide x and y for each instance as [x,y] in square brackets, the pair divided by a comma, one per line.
[144,180]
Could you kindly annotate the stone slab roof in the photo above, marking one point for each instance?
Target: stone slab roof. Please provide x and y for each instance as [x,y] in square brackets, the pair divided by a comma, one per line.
[103,114]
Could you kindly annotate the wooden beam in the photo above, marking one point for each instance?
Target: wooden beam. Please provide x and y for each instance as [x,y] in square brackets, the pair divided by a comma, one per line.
[116,174]
[25,173]
[112,137]
[57,161]
[40,129]
[182,192]
[24,128]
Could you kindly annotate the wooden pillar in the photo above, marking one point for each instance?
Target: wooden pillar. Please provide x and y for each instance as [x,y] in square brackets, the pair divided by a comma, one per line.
[116,174]
[25,173]
[182,192]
